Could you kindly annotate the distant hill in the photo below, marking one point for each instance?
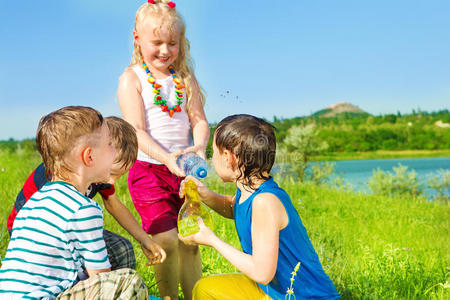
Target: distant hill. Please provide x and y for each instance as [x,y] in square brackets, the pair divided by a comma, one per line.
[339,108]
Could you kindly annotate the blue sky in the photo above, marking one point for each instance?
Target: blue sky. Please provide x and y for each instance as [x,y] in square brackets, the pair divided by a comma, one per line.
[266,58]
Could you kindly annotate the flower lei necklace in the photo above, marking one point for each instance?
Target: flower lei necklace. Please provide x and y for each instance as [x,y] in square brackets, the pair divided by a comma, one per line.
[156,89]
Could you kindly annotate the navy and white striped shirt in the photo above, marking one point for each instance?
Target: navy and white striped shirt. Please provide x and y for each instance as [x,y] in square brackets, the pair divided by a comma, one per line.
[56,232]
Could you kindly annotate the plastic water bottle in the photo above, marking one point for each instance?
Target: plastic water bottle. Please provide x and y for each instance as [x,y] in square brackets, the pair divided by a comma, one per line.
[192,164]
[191,209]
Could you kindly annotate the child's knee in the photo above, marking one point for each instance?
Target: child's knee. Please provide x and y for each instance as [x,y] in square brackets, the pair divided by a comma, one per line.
[189,249]
[200,290]
[167,240]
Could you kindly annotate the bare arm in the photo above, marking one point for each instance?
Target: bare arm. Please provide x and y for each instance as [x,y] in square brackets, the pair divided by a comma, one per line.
[222,204]
[120,212]
[268,218]
[199,124]
[92,272]
[133,112]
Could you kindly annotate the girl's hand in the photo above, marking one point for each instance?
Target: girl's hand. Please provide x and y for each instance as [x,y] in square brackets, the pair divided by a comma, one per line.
[203,191]
[199,150]
[204,237]
[155,254]
[171,163]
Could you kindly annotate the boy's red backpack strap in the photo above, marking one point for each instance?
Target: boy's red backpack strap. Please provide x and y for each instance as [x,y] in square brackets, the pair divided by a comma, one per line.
[106,190]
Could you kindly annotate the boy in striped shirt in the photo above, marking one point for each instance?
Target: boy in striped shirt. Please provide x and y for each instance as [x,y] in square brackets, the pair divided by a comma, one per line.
[59,231]
[120,251]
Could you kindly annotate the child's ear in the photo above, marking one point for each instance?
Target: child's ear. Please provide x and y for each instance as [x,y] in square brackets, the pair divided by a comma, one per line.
[135,37]
[86,156]
[231,159]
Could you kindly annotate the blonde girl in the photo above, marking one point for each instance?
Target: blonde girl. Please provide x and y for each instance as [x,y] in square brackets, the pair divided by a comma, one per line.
[160,96]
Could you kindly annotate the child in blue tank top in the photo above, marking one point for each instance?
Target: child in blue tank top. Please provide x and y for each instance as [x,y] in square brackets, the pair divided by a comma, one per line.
[272,236]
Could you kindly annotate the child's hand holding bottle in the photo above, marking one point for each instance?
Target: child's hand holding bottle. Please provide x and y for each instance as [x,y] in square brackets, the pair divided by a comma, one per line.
[205,236]
[197,149]
[192,164]
[192,209]
[202,189]
[171,163]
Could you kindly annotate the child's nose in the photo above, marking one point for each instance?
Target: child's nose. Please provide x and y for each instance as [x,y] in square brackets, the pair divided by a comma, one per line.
[164,48]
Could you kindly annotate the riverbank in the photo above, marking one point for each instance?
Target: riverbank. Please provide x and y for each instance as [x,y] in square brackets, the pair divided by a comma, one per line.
[382,154]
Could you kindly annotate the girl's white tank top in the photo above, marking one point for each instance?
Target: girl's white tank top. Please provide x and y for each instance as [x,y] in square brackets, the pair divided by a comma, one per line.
[172,134]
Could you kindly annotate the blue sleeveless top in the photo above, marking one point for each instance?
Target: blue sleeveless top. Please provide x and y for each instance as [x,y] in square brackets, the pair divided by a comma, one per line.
[294,246]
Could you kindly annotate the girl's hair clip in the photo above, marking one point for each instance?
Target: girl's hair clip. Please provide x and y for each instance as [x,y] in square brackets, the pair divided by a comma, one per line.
[171,4]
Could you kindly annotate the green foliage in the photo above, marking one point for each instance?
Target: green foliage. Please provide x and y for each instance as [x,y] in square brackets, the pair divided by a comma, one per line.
[377,247]
[371,246]
[440,182]
[14,170]
[399,183]
[322,112]
[303,140]
[382,154]
[321,172]
[363,132]
[347,132]
[11,146]
[290,291]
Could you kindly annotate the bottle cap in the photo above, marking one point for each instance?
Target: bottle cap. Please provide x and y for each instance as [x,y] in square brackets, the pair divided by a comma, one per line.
[201,173]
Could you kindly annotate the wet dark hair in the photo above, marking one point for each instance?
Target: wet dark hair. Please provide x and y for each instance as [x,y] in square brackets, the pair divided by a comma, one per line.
[252,141]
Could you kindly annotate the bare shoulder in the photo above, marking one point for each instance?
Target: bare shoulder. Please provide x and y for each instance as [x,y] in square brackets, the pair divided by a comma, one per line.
[129,91]
[267,201]
[268,204]
[128,74]
[129,79]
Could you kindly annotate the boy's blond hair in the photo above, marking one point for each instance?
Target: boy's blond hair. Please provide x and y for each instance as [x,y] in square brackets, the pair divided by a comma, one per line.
[124,139]
[58,134]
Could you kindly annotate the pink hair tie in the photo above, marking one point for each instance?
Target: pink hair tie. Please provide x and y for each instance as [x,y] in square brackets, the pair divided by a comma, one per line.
[151,1]
[171,4]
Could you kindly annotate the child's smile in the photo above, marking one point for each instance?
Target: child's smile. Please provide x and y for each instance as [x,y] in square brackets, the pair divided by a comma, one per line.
[163,59]
[159,46]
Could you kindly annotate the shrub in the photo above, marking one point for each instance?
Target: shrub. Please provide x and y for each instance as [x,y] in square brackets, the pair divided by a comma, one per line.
[289,166]
[441,184]
[321,172]
[399,183]
[304,140]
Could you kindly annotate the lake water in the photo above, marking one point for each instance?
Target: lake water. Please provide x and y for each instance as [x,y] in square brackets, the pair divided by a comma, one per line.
[358,172]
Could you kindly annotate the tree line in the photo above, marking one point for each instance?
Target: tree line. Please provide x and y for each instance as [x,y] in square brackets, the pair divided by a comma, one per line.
[349,132]
[346,132]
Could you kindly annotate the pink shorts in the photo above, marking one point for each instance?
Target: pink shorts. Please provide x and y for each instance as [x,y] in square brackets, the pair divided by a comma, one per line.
[154,190]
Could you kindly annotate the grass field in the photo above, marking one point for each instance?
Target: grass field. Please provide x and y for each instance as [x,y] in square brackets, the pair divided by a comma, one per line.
[384,154]
[372,247]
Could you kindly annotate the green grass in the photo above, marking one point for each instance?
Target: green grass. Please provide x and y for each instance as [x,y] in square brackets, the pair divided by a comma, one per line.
[372,247]
[383,154]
